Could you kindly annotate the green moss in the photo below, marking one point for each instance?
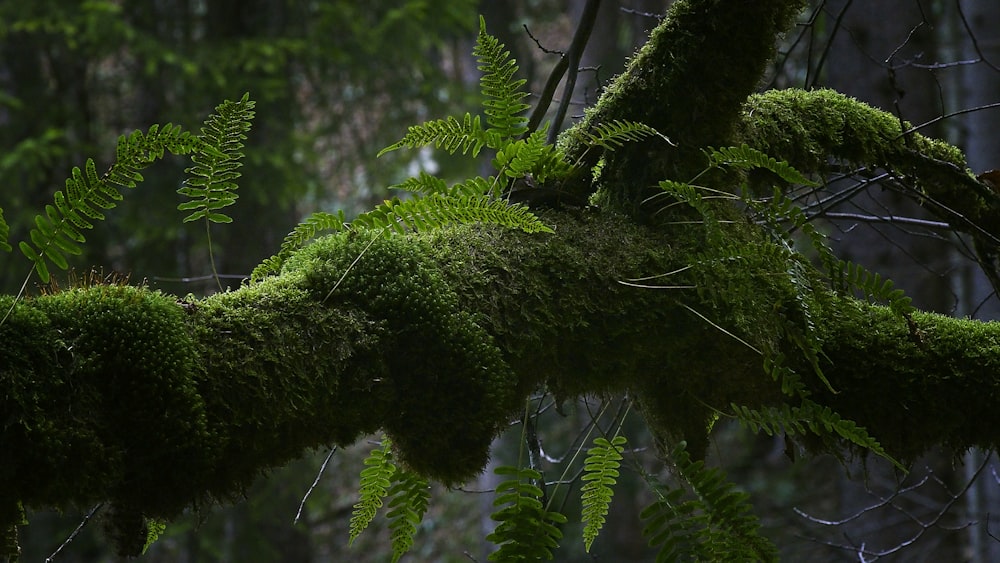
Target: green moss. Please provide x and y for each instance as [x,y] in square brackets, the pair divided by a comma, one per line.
[104,402]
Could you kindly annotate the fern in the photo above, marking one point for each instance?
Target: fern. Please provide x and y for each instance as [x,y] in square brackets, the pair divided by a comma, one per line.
[716,525]
[211,184]
[375,481]
[449,134]
[503,104]
[4,233]
[600,474]
[850,276]
[410,495]
[614,135]
[813,418]
[59,231]
[526,531]
[746,158]
[306,230]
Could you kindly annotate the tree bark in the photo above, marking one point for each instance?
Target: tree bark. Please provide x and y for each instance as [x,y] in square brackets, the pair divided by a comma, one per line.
[121,394]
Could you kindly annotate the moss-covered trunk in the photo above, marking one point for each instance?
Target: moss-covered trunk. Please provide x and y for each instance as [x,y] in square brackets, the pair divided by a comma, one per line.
[152,402]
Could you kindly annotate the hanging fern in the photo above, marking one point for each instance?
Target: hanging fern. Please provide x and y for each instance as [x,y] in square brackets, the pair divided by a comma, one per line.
[211,184]
[526,531]
[809,417]
[850,276]
[600,474]
[410,495]
[716,525]
[614,135]
[449,134]
[376,479]
[59,232]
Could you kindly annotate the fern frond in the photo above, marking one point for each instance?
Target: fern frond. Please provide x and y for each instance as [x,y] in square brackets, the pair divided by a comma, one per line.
[4,233]
[745,157]
[410,496]
[438,210]
[423,183]
[59,231]
[375,481]
[211,184]
[600,473]
[810,417]
[615,134]
[503,94]
[305,231]
[526,531]
[717,525]
[449,134]
[517,159]
[873,286]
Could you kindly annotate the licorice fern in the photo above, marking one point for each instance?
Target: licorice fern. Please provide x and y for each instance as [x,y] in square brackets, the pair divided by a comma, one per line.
[4,233]
[706,519]
[519,157]
[59,231]
[526,530]
[376,478]
[410,495]
[211,182]
[600,474]
[313,225]
[746,158]
[809,417]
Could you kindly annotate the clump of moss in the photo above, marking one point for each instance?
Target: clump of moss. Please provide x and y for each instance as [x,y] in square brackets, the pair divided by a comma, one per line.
[104,401]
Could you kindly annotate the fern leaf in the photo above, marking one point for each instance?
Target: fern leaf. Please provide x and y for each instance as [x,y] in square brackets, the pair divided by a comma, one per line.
[716,525]
[526,531]
[424,183]
[600,474]
[503,94]
[410,496]
[745,157]
[375,482]
[449,134]
[211,183]
[615,134]
[308,229]
[4,233]
[58,232]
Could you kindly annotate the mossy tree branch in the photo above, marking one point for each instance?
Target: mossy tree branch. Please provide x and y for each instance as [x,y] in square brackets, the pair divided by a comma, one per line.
[154,403]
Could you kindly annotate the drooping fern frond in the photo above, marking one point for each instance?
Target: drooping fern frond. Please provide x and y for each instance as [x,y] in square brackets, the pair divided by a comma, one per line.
[600,474]
[438,209]
[745,157]
[716,525]
[526,530]
[308,229]
[376,479]
[59,231]
[211,184]
[410,495]
[503,104]
[810,417]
